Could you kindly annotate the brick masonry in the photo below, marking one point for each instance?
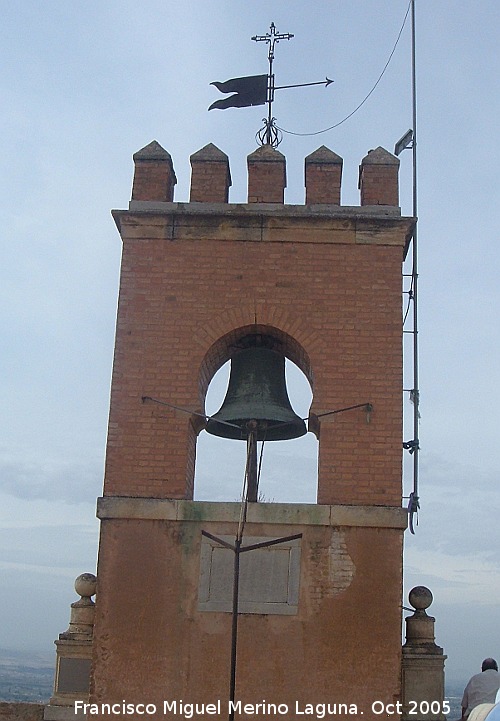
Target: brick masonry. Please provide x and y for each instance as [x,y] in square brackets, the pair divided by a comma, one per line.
[325,281]
[323,176]
[21,711]
[266,176]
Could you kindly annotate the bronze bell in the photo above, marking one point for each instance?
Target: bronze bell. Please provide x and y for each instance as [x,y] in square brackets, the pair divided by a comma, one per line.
[257,400]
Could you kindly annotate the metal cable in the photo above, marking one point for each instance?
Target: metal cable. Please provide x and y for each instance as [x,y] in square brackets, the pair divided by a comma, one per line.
[318,132]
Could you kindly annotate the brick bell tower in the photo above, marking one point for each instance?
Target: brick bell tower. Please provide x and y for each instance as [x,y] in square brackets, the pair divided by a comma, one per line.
[320,615]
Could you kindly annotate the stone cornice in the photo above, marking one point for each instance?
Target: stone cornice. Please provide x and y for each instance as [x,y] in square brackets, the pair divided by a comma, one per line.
[121,507]
[264,222]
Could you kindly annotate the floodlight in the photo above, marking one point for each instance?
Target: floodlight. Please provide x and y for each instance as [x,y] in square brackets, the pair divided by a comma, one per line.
[404,142]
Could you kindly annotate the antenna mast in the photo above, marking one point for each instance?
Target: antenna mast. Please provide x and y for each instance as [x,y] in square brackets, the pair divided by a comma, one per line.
[414,505]
[409,140]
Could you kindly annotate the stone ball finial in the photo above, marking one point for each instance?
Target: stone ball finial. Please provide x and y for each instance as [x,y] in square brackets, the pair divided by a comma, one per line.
[85,585]
[420,598]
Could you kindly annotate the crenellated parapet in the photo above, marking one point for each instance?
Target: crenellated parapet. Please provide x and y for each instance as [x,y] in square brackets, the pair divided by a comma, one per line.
[154,177]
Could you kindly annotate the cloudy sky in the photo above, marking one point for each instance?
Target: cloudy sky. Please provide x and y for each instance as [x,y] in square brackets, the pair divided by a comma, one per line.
[84,86]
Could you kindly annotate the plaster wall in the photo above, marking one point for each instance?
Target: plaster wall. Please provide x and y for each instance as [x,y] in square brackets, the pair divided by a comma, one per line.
[154,644]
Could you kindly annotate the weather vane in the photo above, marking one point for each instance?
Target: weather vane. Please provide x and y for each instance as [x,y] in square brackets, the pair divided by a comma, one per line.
[259,90]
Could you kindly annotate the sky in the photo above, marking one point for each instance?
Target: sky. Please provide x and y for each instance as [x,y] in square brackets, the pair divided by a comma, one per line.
[84,86]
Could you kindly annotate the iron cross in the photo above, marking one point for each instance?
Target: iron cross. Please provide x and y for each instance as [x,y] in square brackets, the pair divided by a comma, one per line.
[271,38]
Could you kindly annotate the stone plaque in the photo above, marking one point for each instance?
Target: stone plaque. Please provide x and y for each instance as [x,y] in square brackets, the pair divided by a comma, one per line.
[269,577]
[73,675]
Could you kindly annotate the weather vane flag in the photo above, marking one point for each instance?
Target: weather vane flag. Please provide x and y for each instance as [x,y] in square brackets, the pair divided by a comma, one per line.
[259,90]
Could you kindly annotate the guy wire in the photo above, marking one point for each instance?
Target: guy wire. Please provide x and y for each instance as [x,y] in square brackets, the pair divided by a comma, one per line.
[336,125]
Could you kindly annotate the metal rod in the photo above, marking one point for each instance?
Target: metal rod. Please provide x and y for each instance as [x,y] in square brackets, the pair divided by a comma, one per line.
[223,543]
[274,542]
[253,546]
[187,410]
[271,87]
[270,104]
[368,406]
[252,490]
[234,627]
[303,85]
[415,257]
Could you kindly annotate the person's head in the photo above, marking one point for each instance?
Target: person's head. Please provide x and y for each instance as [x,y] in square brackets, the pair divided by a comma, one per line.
[489,663]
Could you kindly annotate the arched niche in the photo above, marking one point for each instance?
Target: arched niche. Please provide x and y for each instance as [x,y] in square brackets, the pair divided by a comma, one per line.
[289,472]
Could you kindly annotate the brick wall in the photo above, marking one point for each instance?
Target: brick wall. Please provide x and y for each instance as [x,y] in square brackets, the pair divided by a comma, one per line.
[20,711]
[210,176]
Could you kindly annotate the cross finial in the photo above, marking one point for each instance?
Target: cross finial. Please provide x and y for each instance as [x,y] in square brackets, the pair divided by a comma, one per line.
[269,133]
[272,38]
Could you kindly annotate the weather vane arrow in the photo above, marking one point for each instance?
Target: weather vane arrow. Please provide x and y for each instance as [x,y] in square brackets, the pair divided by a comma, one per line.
[326,82]
[259,89]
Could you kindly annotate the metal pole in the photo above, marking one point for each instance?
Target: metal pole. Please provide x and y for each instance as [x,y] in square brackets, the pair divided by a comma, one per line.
[252,490]
[271,98]
[416,398]
[234,627]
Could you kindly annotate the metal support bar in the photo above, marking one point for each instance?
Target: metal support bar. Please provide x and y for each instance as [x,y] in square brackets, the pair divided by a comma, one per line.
[234,627]
[237,549]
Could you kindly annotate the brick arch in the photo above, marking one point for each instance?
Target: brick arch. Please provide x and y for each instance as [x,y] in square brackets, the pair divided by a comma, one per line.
[224,348]
[218,338]
[300,343]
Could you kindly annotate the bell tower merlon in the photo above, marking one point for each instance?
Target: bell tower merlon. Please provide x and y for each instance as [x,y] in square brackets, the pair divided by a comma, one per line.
[266,175]
[210,176]
[378,178]
[323,176]
[154,177]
